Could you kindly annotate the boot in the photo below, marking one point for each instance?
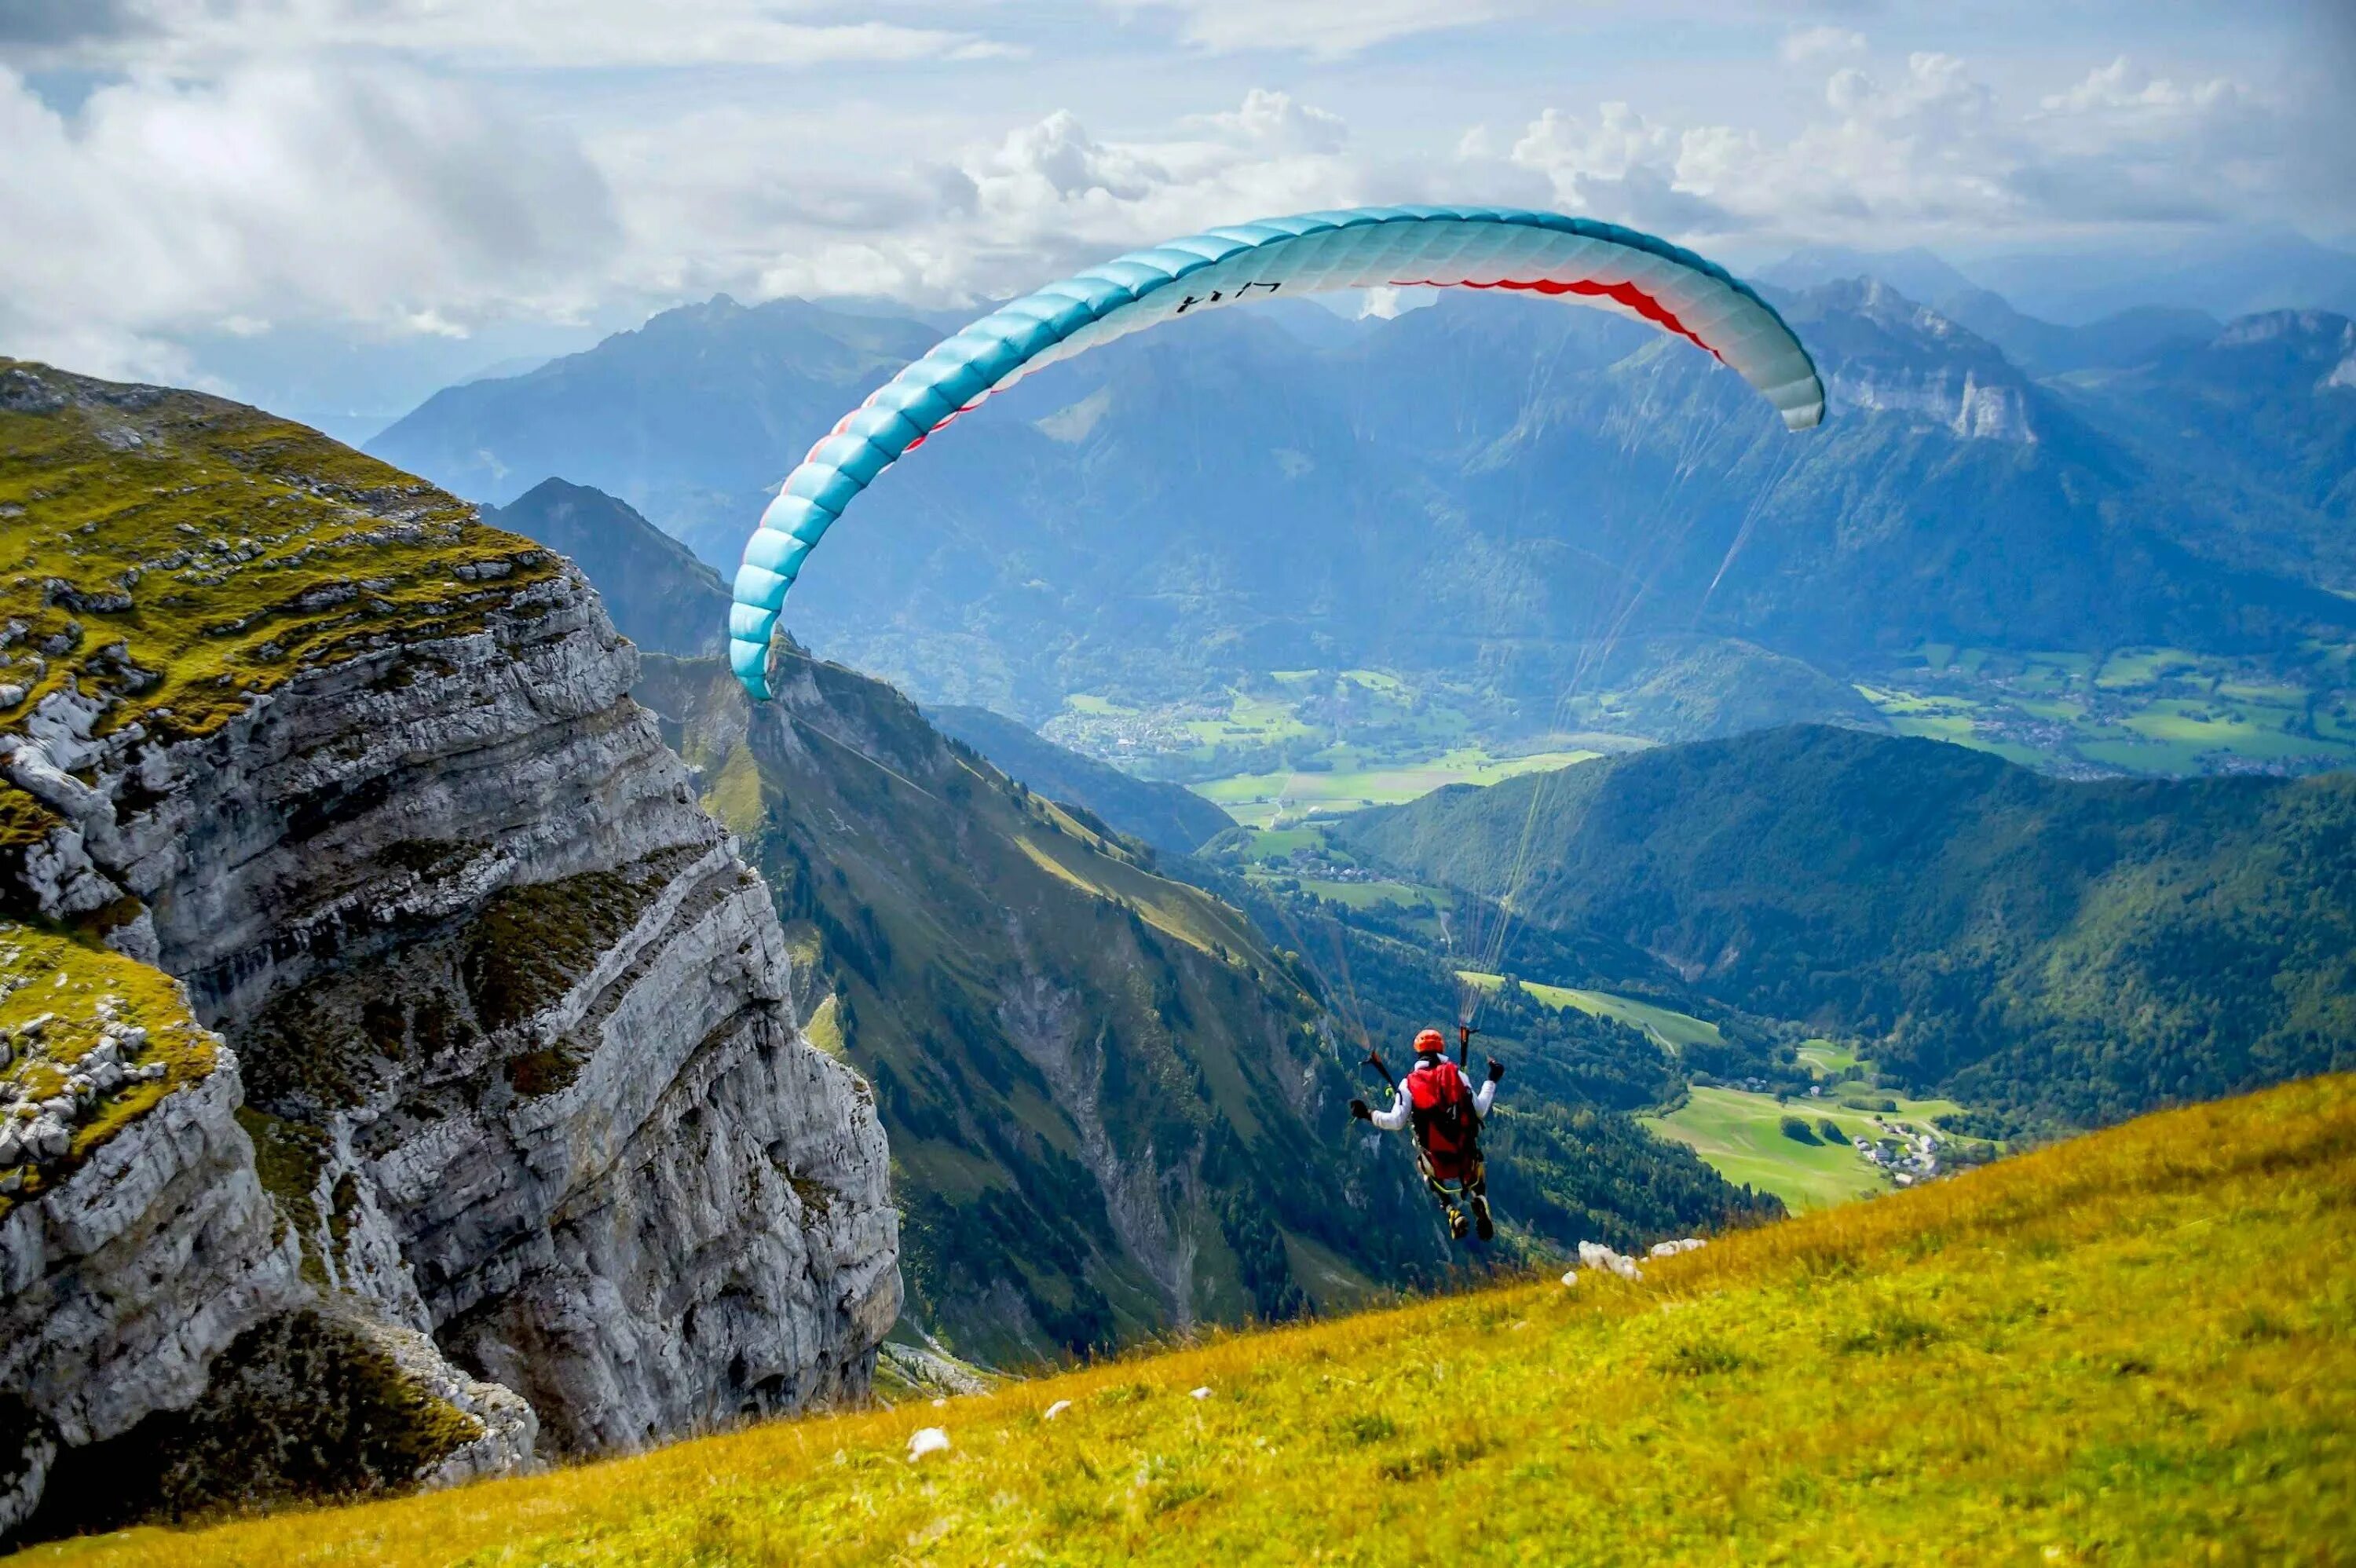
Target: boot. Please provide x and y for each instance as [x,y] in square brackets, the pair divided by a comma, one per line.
[1456,1226]
[1483,1226]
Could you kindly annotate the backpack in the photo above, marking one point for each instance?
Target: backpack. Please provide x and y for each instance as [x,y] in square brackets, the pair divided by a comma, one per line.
[1445,1121]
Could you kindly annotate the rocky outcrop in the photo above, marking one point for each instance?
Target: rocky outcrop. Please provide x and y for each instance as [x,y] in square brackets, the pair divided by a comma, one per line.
[514,1028]
[1889,354]
[119,1286]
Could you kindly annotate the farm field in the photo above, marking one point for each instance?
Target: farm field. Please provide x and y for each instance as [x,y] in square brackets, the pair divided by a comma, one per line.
[1303,856]
[1674,1030]
[2137,710]
[1294,744]
[2135,1347]
[1739,1135]
[1269,799]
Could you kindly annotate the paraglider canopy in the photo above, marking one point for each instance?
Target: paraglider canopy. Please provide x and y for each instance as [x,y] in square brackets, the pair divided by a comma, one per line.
[1575,258]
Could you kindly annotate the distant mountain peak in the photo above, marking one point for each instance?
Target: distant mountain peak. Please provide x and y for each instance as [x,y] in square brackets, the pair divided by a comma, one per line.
[1885,352]
[659,595]
[1919,272]
[2323,333]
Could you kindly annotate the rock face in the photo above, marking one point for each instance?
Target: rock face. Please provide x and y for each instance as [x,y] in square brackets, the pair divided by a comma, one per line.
[87,1344]
[1895,356]
[512,1023]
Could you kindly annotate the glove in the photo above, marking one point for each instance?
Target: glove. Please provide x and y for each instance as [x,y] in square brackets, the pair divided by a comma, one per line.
[1496,1070]
[1359,1112]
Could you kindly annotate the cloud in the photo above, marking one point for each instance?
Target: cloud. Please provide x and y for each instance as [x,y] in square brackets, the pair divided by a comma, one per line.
[1050,196]
[1622,169]
[545,35]
[1323,28]
[281,193]
[1807,46]
[1276,122]
[1929,152]
[51,24]
[427,166]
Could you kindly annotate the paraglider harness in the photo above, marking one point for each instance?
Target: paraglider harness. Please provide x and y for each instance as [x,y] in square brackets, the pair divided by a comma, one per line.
[1447,1132]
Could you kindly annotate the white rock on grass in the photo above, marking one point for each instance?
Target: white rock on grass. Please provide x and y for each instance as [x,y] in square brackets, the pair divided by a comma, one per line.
[1595,1254]
[1199,1393]
[1056,1408]
[49,1139]
[927,1440]
[1570,1276]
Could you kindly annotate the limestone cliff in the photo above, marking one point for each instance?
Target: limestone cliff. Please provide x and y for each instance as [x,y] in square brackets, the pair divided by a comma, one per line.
[512,1021]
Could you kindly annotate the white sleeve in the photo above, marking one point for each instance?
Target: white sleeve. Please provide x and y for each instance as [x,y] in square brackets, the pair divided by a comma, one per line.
[1393,1119]
[1484,1096]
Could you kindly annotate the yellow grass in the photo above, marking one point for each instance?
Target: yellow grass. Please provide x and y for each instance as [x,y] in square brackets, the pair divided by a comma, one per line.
[2136,1348]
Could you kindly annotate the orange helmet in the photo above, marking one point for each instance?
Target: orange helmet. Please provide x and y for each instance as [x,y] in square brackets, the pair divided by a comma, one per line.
[1431,1039]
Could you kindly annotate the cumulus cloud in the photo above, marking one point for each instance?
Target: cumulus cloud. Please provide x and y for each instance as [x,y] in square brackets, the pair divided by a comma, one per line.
[1051,193]
[1277,121]
[389,199]
[1806,46]
[1925,149]
[1624,168]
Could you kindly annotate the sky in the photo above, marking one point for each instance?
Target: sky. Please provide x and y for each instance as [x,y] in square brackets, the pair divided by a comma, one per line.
[334,206]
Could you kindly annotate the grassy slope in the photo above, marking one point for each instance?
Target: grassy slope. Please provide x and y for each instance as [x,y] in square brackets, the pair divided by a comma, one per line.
[2136,1348]
[64,977]
[1169,817]
[255,548]
[1674,1030]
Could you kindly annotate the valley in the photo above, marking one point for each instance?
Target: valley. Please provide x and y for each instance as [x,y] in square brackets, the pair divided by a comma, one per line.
[1294,744]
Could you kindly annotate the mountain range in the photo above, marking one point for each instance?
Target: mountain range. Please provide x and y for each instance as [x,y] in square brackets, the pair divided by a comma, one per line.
[1510,492]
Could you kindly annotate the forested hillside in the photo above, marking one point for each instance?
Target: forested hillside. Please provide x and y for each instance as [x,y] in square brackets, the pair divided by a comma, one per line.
[1167,815]
[2068,951]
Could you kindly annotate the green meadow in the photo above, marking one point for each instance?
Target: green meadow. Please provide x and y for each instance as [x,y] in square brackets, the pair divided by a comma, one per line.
[2136,1348]
[1675,1030]
[1740,1137]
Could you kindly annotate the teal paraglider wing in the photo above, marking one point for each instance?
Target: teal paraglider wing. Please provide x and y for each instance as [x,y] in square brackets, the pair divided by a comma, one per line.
[1479,248]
